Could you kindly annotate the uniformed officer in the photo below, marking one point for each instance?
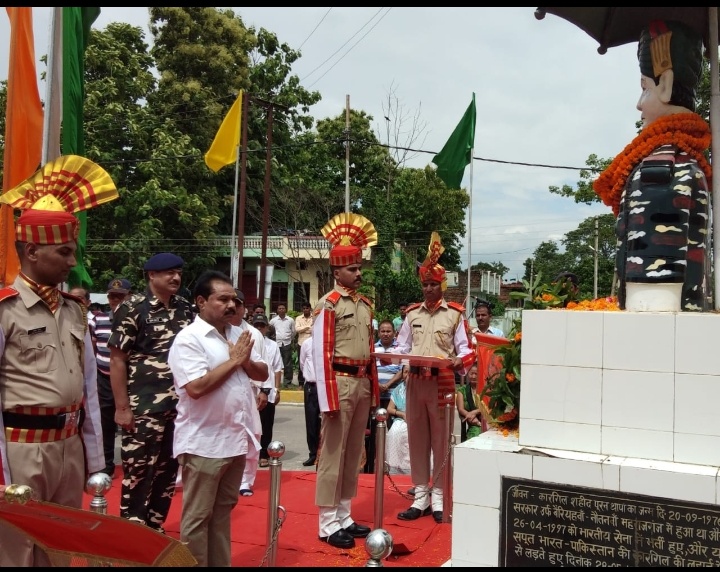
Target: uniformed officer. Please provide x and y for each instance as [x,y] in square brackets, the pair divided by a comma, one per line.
[346,378]
[144,328]
[50,432]
[434,328]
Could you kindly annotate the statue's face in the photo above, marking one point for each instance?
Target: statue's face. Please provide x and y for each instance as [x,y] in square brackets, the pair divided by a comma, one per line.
[650,105]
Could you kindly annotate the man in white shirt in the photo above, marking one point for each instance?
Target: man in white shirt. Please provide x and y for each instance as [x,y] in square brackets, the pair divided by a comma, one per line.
[271,388]
[303,328]
[284,335]
[212,364]
[261,397]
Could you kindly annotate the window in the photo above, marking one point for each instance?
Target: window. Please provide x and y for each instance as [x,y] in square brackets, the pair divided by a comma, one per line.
[301,294]
[278,295]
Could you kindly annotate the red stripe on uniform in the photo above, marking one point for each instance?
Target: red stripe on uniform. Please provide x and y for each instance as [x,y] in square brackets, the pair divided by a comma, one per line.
[328,352]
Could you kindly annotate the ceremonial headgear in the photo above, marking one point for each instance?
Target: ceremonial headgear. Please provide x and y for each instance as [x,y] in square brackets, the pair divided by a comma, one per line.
[348,234]
[665,45]
[48,198]
[430,269]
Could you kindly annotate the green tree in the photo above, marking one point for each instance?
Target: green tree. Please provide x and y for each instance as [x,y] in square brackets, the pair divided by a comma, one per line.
[580,256]
[584,193]
[151,114]
[547,260]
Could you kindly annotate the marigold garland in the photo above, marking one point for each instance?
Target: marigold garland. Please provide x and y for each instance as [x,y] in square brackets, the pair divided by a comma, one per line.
[687,131]
[608,304]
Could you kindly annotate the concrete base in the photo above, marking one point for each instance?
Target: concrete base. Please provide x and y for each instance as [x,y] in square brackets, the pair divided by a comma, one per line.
[480,464]
[615,401]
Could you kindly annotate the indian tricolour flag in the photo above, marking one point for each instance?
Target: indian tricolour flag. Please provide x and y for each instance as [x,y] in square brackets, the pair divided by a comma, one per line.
[70,33]
[23,129]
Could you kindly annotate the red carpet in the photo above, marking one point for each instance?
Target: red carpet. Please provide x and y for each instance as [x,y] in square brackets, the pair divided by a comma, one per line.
[419,543]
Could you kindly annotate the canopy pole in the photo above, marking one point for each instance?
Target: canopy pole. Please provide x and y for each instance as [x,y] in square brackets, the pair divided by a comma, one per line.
[715,148]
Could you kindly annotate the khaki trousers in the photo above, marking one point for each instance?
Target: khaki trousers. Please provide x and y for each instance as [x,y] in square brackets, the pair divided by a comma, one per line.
[426,431]
[210,492]
[342,440]
[56,473]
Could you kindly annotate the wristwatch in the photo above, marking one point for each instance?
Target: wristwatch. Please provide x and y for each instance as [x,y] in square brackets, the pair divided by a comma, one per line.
[265,390]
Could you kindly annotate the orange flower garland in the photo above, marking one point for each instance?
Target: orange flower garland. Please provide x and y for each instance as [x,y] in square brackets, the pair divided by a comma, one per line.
[609,304]
[687,131]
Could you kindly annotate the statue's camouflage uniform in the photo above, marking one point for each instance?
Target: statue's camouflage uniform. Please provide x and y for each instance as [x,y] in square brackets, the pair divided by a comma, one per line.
[145,329]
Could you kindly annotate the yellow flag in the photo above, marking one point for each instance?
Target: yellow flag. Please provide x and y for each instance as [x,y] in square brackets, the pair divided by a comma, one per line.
[223,150]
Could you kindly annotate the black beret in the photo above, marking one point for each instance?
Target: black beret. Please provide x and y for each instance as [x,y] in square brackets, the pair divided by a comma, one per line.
[164,261]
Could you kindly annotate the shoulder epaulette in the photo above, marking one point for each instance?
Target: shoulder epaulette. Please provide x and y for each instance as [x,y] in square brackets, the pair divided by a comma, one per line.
[7,293]
[333,297]
[366,300]
[135,299]
[455,306]
[72,297]
[414,306]
[81,303]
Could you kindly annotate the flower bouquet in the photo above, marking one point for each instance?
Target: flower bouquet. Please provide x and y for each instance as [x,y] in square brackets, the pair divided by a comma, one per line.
[501,393]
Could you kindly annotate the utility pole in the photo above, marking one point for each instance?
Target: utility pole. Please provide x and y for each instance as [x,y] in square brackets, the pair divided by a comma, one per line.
[270,106]
[532,266]
[595,275]
[347,153]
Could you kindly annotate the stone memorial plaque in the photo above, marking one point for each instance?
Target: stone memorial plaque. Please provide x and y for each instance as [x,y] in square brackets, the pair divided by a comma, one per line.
[548,524]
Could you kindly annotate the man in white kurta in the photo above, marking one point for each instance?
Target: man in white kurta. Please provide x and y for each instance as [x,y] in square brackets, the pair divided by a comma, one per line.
[212,363]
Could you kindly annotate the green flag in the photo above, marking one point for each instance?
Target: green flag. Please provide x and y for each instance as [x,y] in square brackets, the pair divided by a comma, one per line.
[76,23]
[457,152]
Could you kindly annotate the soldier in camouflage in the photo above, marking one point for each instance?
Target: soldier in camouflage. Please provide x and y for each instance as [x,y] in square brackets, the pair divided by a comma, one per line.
[144,328]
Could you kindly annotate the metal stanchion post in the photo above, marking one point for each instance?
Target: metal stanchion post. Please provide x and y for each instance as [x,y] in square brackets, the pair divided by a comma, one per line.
[18,494]
[381,416]
[98,484]
[379,545]
[448,473]
[276,449]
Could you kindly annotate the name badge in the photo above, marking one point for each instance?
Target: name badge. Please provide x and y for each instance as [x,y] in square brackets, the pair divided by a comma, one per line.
[37,331]
[155,320]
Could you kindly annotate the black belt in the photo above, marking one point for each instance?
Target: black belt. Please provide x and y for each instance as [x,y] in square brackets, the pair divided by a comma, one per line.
[420,370]
[350,369]
[24,421]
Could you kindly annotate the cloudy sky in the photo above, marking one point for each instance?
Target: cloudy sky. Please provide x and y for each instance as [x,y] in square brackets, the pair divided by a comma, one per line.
[546,99]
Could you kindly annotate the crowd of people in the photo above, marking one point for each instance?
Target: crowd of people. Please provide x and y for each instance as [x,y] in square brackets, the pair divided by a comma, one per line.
[192,385]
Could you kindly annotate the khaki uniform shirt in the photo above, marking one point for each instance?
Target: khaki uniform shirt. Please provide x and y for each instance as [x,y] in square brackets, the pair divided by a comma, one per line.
[48,361]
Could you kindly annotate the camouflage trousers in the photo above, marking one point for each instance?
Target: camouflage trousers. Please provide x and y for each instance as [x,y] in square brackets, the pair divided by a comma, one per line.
[149,469]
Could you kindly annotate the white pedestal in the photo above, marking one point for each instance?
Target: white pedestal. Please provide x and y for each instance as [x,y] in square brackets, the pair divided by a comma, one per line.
[615,401]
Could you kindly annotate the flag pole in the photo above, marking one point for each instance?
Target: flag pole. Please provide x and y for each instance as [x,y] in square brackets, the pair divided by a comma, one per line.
[234,248]
[52,112]
[469,232]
